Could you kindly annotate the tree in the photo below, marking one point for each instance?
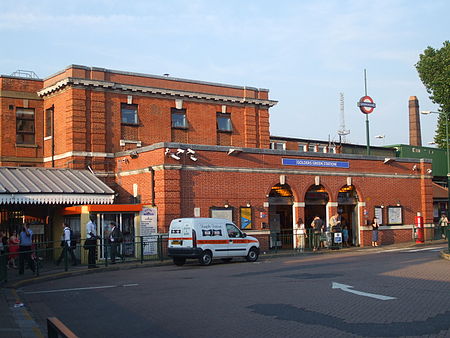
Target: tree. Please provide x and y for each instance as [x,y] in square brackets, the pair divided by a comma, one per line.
[434,72]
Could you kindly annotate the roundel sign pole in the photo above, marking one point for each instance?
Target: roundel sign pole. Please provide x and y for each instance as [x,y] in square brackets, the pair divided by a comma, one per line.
[366,105]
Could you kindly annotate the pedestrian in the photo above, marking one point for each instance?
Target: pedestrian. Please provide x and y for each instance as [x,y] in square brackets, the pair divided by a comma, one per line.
[13,245]
[3,250]
[375,226]
[115,238]
[67,245]
[317,225]
[25,249]
[91,241]
[345,235]
[443,223]
[300,234]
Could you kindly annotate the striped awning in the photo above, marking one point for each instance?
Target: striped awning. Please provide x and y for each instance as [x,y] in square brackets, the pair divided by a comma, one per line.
[30,185]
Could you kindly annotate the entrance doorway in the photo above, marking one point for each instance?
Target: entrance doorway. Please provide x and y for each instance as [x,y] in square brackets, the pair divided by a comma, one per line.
[347,202]
[316,200]
[281,202]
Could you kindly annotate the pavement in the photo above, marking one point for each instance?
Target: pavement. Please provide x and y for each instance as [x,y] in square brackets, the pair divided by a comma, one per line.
[16,320]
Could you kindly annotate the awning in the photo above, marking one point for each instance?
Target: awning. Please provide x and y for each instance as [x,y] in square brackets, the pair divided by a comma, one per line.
[31,185]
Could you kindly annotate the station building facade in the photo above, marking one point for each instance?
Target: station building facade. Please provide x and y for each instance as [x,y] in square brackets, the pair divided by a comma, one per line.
[186,148]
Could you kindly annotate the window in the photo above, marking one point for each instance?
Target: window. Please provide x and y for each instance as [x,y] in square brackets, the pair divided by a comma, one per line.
[25,126]
[311,147]
[179,118]
[278,145]
[129,113]
[224,122]
[302,147]
[48,122]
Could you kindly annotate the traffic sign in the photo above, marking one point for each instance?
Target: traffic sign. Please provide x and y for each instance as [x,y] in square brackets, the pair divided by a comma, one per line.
[366,104]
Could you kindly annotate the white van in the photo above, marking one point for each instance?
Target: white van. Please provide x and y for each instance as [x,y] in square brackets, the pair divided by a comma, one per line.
[208,238]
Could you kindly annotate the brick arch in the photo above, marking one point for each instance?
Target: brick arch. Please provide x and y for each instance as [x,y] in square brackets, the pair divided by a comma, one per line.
[357,192]
[308,187]
[294,191]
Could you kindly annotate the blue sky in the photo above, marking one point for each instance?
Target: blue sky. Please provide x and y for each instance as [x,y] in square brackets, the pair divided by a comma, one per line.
[304,52]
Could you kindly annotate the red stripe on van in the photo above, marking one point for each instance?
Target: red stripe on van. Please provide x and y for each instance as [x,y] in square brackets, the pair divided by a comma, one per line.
[212,241]
[180,238]
[244,241]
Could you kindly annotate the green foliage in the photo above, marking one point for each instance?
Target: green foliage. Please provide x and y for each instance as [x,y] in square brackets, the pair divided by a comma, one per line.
[434,72]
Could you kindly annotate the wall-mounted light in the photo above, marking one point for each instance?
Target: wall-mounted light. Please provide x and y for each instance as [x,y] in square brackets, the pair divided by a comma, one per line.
[234,151]
[190,151]
[193,158]
[248,204]
[175,157]
[414,168]
[226,205]
[134,154]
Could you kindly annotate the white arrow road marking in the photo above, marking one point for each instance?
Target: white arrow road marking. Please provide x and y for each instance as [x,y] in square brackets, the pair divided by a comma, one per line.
[348,288]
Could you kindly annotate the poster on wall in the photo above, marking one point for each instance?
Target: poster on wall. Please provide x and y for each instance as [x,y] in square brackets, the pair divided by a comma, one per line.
[378,212]
[149,229]
[395,215]
[226,213]
[246,218]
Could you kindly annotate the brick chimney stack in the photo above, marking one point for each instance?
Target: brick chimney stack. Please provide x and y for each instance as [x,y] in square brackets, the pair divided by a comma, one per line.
[415,136]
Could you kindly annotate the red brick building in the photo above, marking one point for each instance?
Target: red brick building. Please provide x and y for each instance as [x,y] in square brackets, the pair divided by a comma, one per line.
[192,148]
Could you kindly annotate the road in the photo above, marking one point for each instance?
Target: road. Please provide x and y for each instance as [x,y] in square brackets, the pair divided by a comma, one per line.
[368,293]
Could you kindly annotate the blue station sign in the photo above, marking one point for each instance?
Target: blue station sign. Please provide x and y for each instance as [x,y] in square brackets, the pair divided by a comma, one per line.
[315,163]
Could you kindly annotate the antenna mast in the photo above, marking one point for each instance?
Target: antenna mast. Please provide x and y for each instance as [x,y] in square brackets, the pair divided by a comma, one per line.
[342,132]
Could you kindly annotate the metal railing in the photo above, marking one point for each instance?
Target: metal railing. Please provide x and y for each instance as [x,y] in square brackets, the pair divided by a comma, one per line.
[51,256]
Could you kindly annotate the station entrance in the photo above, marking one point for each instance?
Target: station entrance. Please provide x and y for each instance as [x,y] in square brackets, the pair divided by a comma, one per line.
[281,202]
[347,210]
[316,200]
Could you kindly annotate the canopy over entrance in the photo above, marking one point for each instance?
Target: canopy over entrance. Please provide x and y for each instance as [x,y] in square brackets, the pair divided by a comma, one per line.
[30,185]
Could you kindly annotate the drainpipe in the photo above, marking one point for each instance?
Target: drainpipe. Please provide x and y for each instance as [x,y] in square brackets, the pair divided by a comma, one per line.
[53,135]
[152,179]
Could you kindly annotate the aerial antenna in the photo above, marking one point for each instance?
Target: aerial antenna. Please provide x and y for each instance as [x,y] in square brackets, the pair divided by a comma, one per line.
[342,132]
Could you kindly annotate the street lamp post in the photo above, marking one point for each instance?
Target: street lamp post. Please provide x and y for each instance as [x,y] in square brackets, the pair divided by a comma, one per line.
[426,112]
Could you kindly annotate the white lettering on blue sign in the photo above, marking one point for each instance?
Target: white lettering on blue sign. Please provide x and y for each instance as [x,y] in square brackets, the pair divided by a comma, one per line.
[315,163]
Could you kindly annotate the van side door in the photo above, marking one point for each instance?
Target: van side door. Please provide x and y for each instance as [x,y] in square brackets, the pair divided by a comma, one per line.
[237,243]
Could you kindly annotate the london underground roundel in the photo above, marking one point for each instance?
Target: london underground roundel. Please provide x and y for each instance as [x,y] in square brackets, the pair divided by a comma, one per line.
[366,104]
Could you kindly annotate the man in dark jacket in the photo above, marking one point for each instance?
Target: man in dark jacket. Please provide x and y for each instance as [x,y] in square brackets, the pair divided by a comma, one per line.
[115,238]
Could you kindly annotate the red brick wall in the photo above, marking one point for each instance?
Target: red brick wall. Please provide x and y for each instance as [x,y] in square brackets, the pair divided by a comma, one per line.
[20,93]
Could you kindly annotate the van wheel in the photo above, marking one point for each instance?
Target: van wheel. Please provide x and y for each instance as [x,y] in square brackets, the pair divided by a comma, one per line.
[205,258]
[252,255]
[179,261]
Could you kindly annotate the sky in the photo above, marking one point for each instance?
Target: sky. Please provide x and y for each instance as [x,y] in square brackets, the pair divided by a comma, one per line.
[305,52]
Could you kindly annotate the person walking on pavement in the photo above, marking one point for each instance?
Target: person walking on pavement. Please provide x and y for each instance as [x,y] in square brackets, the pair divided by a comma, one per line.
[317,225]
[25,247]
[375,226]
[13,245]
[115,238]
[67,245]
[91,241]
[443,223]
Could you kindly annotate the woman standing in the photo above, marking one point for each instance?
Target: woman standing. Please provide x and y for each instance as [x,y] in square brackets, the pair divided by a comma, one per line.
[301,234]
[375,226]
[13,250]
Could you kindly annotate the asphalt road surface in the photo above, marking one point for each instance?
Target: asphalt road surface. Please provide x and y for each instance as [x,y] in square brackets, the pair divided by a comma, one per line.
[368,293]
